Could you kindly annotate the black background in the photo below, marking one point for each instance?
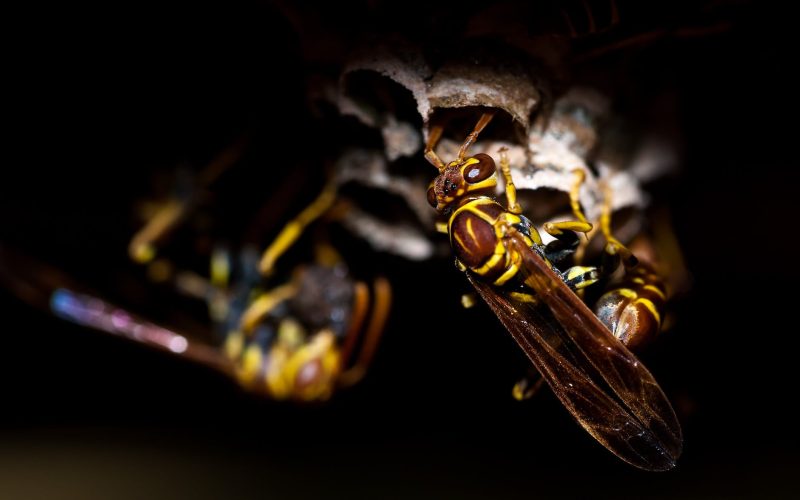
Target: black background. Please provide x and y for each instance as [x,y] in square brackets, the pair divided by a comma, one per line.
[104,97]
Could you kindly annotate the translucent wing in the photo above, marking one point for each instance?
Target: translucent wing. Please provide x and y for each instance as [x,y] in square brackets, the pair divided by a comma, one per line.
[50,290]
[605,387]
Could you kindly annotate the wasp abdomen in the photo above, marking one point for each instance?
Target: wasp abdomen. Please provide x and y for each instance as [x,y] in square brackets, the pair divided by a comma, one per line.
[632,310]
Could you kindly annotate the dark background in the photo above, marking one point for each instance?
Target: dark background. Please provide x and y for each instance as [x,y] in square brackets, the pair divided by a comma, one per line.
[104,98]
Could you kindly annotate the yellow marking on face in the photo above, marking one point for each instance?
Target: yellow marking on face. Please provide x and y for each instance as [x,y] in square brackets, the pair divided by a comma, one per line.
[656,291]
[651,307]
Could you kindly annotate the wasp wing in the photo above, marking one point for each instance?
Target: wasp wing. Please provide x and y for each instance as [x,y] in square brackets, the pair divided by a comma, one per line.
[605,387]
[53,291]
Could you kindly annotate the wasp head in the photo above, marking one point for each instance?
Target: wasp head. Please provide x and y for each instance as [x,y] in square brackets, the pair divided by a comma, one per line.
[473,176]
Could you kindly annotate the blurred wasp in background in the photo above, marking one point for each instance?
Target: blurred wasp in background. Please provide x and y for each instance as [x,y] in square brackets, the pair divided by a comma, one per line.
[603,385]
[299,339]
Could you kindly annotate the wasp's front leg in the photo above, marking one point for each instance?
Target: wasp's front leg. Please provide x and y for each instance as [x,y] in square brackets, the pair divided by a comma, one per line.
[511,190]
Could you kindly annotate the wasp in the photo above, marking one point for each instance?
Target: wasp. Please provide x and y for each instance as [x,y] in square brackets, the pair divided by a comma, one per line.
[632,306]
[303,339]
[299,339]
[602,384]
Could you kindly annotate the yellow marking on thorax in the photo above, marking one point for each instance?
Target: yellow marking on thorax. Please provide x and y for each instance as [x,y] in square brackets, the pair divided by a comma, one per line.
[656,291]
[470,230]
[511,271]
[627,293]
[462,244]
[499,253]
[650,307]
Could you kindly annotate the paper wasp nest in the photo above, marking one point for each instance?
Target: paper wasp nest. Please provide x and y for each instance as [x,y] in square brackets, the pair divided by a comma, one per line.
[393,88]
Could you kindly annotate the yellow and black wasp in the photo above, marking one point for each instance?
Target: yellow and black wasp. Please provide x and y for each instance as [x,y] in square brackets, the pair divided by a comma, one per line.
[631,304]
[603,385]
[300,339]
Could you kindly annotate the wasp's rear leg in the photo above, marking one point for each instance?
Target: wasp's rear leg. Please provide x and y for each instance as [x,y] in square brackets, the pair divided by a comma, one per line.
[528,386]
[567,241]
[382,300]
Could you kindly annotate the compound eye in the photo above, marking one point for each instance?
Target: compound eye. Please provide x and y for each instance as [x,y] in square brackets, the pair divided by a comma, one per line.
[432,197]
[480,171]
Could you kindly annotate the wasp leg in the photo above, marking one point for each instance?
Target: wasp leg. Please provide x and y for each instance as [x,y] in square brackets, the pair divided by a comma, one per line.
[292,231]
[468,300]
[473,136]
[357,317]
[380,312]
[614,250]
[142,248]
[143,245]
[511,190]
[562,250]
[580,225]
[264,304]
[433,138]
[528,386]
[567,242]
[580,277]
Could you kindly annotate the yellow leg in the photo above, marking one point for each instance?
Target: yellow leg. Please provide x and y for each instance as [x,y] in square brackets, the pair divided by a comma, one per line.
[468,300]
[264,304]
[511,190]
[574,195]
[527,387]
[292,231]
[614,246]
[142,248]
[581,225]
